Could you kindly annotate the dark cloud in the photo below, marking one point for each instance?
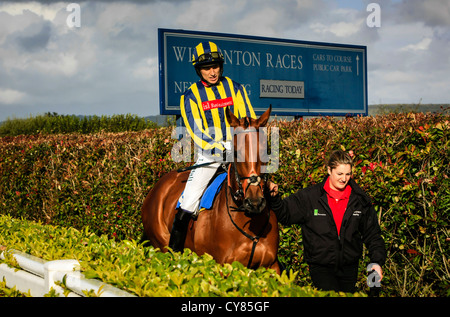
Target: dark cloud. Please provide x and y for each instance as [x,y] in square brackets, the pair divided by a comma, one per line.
[433,13]
[110,64]
[36,41]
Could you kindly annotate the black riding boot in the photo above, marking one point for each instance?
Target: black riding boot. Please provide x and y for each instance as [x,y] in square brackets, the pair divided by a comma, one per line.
[179,230]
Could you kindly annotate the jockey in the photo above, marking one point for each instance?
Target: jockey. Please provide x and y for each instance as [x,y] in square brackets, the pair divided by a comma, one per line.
[203,107]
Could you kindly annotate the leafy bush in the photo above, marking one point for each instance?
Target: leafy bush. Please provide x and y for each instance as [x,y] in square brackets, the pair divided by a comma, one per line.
[76,180]
[146,271]
[10,292]
[401,160]
[52,123]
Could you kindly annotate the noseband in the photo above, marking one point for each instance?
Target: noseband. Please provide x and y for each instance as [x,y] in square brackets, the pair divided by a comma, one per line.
[253,179]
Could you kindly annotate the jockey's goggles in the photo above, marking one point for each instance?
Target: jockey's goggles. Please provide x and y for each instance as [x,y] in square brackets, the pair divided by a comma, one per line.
[209,58]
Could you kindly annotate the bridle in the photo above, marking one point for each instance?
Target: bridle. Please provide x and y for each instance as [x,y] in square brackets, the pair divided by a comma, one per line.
[239,194]
[253,179]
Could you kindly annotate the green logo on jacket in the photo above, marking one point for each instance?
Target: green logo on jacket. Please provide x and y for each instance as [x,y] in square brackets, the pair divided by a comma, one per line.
[316,213]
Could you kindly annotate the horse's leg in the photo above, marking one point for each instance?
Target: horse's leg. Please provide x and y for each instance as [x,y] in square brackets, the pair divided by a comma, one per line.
[276,266]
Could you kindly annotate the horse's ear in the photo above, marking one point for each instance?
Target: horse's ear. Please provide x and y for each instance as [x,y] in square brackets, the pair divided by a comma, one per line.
[262,121]
[231,118]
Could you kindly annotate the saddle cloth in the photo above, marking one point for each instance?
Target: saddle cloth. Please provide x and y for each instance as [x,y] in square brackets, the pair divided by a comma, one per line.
[207,200]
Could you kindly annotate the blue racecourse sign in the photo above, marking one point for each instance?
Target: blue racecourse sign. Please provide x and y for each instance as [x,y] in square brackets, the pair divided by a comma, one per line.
[295,77]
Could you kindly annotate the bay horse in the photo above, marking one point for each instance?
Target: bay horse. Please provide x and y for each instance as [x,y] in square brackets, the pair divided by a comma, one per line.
[239,226]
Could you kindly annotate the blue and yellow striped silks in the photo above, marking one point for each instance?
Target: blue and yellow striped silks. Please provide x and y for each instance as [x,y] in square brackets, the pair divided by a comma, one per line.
[203,111]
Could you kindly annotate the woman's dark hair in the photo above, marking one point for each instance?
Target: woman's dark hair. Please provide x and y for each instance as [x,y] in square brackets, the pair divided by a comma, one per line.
[339,157]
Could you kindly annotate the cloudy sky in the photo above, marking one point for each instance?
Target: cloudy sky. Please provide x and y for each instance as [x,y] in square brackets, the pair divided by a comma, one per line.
[108,65]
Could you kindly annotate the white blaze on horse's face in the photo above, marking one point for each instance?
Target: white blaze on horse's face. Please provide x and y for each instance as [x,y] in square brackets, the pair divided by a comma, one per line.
[258,148]
[250,134]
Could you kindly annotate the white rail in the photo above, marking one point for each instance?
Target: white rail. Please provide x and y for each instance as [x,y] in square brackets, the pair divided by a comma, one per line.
[38,277]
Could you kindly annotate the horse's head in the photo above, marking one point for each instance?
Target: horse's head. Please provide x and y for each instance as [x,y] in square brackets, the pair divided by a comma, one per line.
[247,161]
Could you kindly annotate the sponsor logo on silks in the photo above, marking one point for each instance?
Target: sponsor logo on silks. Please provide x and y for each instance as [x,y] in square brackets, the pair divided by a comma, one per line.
[356,213]
[218,103]
[316,213]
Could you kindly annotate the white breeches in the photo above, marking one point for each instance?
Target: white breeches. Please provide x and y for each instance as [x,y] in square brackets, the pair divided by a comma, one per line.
[197,182]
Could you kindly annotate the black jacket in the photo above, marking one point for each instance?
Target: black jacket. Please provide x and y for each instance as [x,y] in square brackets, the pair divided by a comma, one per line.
[322,245]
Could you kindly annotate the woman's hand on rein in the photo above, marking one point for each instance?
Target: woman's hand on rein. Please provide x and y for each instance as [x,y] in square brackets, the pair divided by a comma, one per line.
[273,189]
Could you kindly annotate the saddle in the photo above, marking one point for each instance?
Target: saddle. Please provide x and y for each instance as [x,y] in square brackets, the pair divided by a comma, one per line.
[213,188]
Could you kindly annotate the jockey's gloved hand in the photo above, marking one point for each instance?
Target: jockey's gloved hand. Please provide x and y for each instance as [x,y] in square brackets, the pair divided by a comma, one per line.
[228,153]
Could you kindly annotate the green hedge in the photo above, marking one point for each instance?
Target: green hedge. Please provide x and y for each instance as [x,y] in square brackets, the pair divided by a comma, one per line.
[146,271]
[401,160]
[51,123]
[77,180]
